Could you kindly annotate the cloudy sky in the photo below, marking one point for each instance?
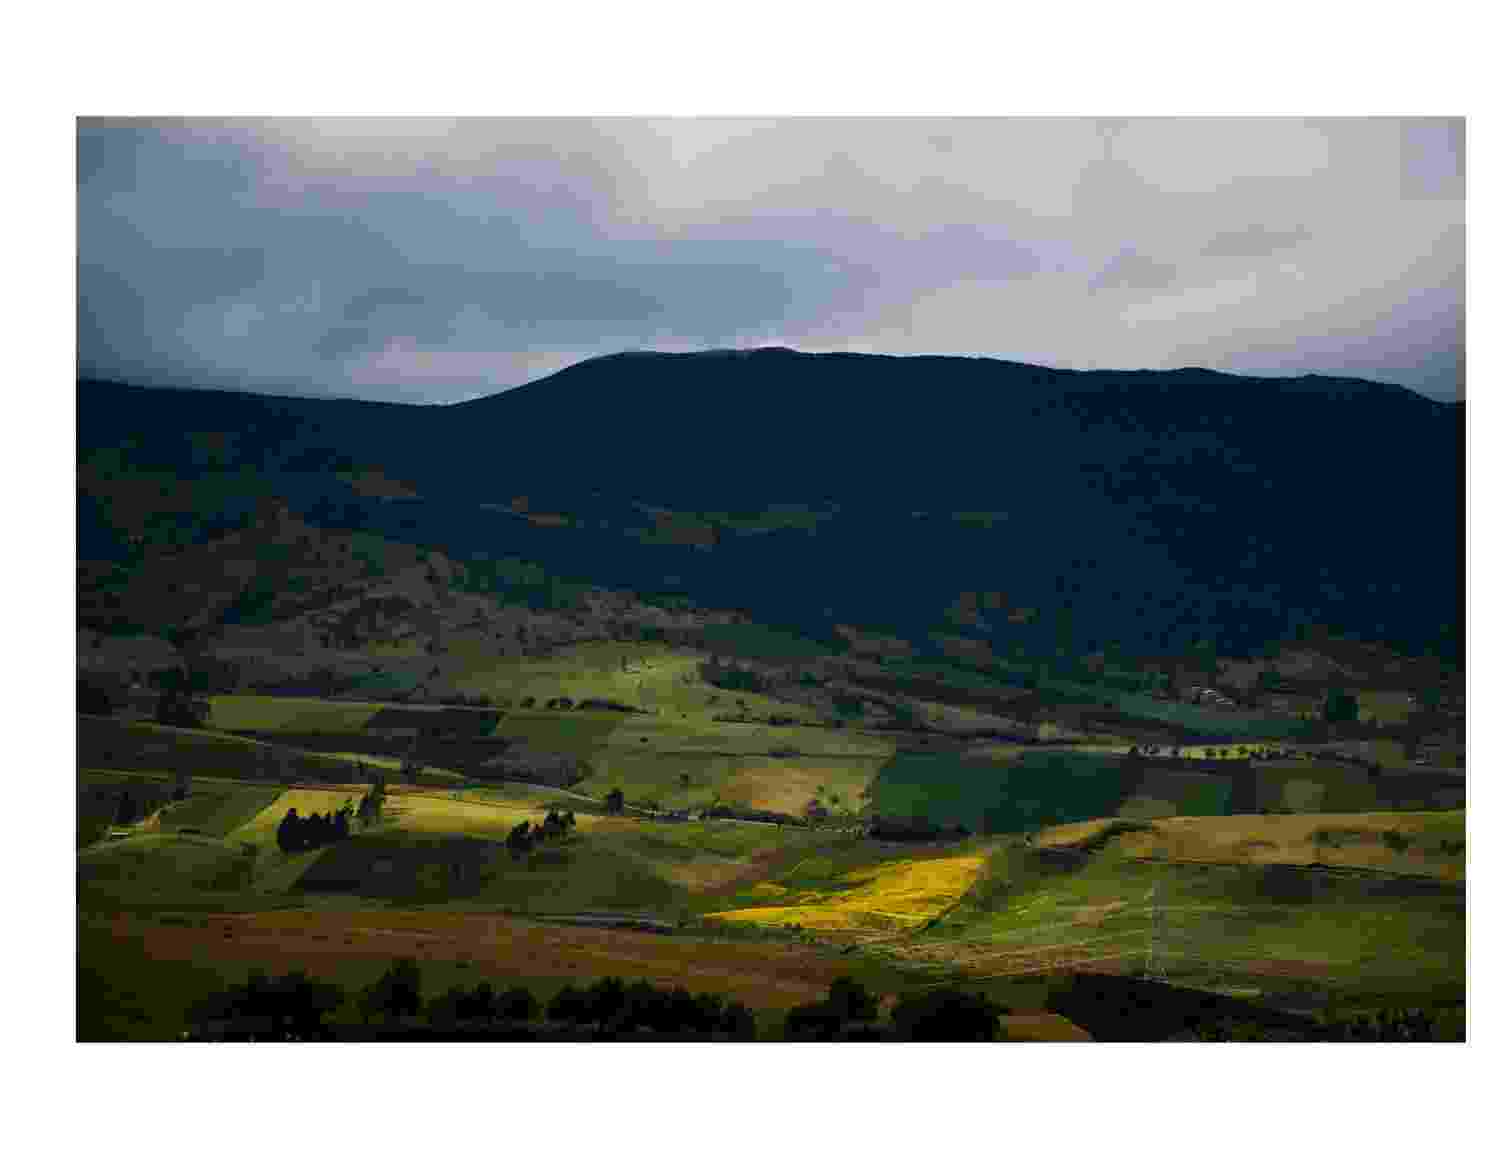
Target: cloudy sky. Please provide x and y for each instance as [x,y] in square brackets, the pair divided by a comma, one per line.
[435,260]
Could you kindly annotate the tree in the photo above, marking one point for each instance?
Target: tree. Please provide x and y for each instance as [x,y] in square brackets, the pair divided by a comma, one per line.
[606,999]
[517,1005]
[852,1000]
[289,832]
[614,801]
[813,1020]
[93,698]
[1340,707]
[569,1004]
[738,1022]
[126,811]
[519,840]
[396,993]
[946,1015]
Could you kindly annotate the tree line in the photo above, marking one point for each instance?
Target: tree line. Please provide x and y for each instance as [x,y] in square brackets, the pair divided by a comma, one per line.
[298,834]
[295,1007]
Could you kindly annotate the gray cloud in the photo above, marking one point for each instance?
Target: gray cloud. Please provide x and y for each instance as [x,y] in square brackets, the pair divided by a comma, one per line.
[1129,270]
[436,259]
[1253,241]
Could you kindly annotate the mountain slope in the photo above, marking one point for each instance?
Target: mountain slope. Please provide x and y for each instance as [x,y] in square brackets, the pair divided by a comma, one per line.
[1032,508]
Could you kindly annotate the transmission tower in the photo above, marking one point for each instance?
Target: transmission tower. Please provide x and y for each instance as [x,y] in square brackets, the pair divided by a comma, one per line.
[1156,968]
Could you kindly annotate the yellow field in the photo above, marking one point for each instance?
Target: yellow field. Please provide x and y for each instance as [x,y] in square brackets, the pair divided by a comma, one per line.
[895,895]
[261,829]
[434,813]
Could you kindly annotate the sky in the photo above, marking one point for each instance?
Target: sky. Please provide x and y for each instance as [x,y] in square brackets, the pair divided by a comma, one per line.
[439,259]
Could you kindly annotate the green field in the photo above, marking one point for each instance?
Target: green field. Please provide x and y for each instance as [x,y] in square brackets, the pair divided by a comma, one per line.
[1276,924]
[104,743]
[999,797]
[162,865]
[218,810]
[288,714]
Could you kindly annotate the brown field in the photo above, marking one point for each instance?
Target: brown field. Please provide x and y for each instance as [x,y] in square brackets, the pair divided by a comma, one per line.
[787,787]
[328,942]
[1042,1027]
[1341,840]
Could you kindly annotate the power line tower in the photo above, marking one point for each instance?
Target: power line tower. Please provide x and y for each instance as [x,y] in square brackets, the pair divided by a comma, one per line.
[1156,968]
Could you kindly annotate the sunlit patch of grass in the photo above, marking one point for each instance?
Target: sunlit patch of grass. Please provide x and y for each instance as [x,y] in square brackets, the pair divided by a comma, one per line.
[894,895]
[289,713]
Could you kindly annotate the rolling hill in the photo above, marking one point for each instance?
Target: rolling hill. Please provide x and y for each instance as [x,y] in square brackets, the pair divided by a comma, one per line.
[1025,508]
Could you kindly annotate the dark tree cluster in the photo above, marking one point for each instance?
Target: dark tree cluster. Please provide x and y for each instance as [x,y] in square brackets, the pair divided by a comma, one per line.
[482,1004]
[296,1008]
[614,801]
[525,836]
[849,1007]
[99,696]
[734,812]
[138,801]
[395,994]
[611,1007]
[914,829]
[372,803]
[851,1013]
[1397,1025]
[1340,707]
[602,705]
[292,1008]
[179,708]
[297,834]
[732,678]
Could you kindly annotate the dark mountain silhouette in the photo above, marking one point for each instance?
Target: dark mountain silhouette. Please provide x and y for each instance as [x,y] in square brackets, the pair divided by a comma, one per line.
[1149,508]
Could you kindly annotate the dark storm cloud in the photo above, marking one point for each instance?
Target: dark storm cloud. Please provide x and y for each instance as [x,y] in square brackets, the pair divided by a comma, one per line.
[363,306]
[438,259]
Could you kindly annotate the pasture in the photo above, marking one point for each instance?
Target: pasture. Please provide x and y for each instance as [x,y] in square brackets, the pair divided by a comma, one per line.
[1036,788]
[248,713]
[133,746]
[217,810]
